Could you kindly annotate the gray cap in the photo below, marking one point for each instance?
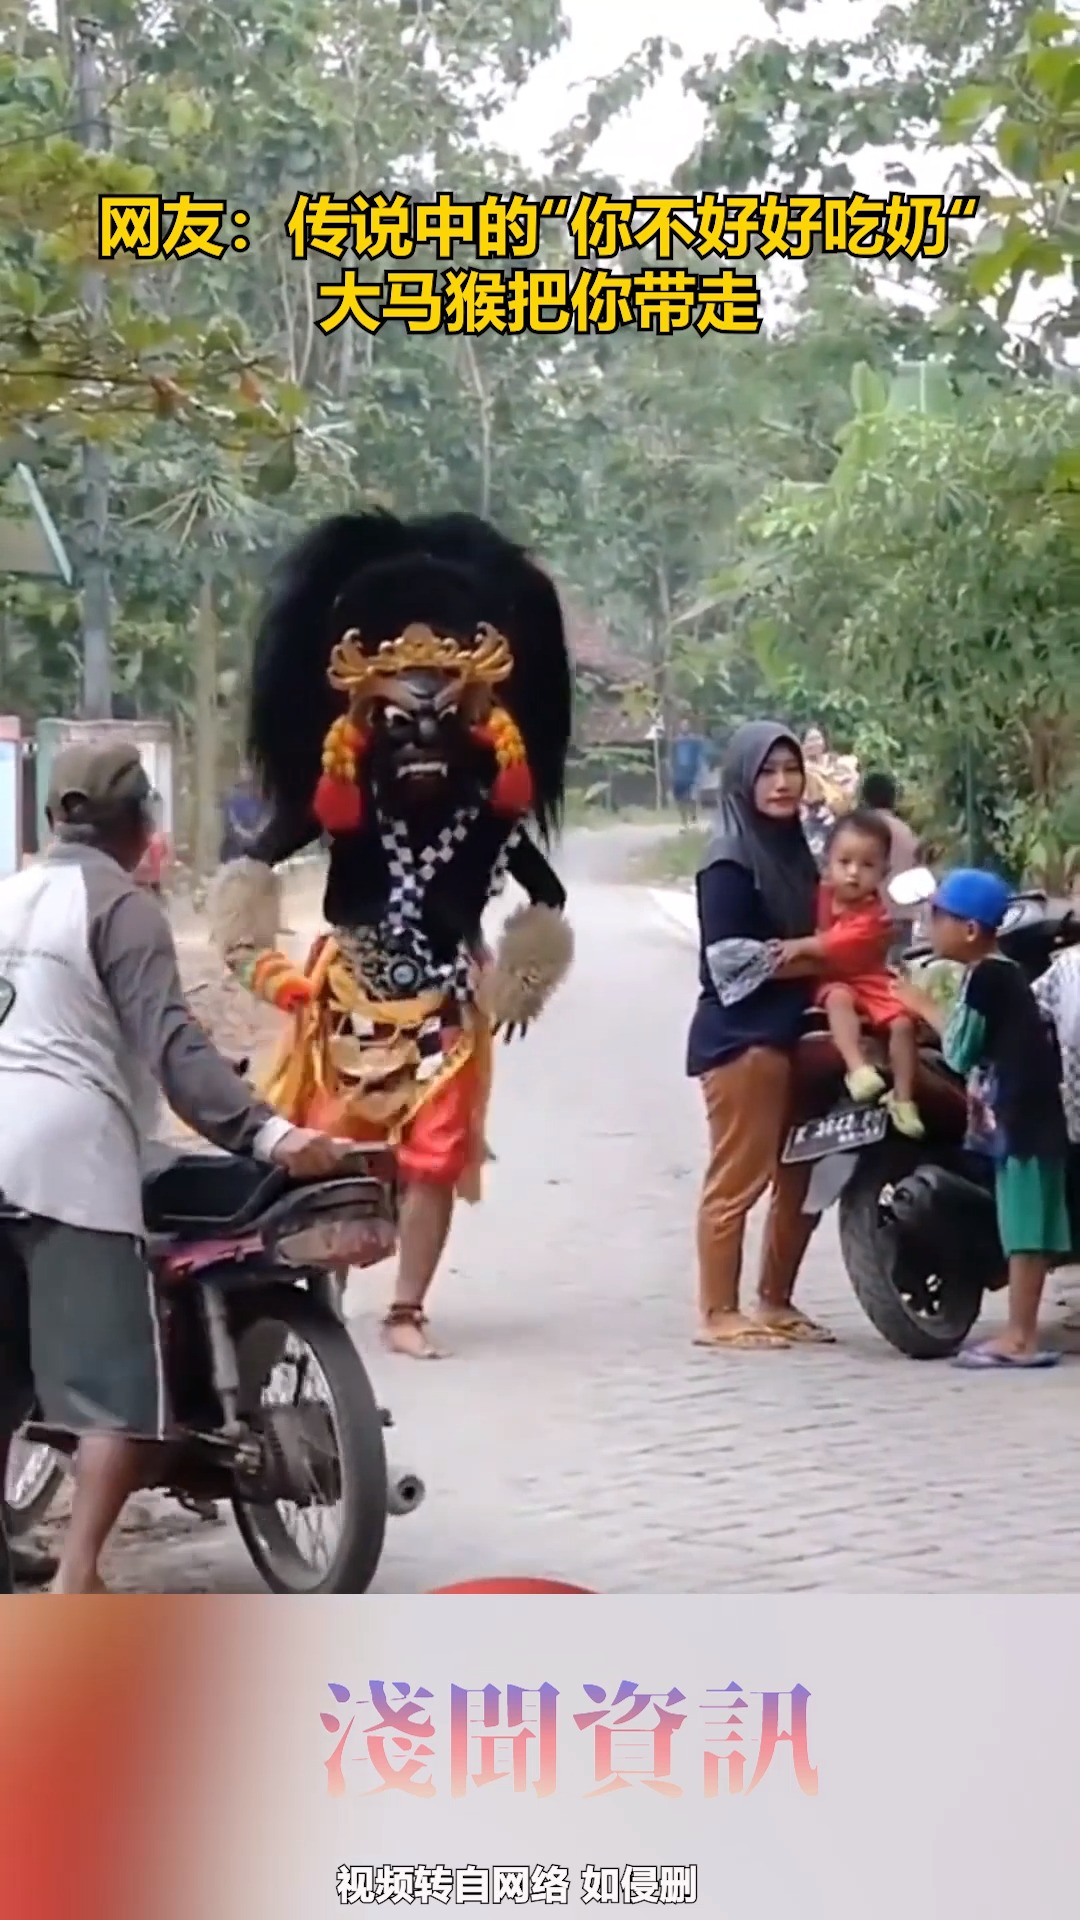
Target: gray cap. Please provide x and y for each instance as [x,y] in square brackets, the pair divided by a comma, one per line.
[99,776]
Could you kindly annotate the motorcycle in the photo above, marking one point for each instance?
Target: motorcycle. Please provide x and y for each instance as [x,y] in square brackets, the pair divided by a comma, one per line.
[35,1474]
[33,1480]
[247,1265]
[917,1219]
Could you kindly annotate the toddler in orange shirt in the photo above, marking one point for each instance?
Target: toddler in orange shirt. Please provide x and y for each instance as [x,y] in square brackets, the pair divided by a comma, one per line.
[854,934]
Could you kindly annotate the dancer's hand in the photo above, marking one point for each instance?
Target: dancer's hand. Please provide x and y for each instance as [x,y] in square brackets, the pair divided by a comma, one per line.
[281,983]
[291,993]
[514,1030]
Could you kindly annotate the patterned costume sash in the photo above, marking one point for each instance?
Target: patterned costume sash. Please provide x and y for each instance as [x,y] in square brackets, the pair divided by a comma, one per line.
[361,1063]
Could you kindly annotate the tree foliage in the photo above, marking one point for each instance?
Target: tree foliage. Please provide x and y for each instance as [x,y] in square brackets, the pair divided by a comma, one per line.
[934,565]
[1024,121]
[864,514]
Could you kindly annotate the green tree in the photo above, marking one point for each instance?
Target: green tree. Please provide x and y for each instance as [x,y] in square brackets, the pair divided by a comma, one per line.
[1023,124]
[938,569]
[794,115]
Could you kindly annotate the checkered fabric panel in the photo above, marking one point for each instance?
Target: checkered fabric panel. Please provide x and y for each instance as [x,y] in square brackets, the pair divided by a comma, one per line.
[411,873]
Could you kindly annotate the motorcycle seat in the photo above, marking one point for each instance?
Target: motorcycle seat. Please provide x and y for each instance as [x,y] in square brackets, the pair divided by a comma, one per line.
[200,1195]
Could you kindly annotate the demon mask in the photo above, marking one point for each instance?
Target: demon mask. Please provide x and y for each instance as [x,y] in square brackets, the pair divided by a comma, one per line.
[424,716]
[408,667]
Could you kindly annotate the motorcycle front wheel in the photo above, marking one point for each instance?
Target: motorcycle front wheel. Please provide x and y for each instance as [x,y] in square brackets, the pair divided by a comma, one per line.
[33,1480]
[924,1314]
[332,1441]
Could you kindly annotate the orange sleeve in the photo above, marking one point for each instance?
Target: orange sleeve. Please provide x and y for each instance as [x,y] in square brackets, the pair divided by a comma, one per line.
[857,942]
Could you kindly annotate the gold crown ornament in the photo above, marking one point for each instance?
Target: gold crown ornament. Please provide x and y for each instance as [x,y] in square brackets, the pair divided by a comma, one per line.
[354,671]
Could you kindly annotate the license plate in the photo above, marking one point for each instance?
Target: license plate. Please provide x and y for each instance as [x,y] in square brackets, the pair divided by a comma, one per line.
[845,1130]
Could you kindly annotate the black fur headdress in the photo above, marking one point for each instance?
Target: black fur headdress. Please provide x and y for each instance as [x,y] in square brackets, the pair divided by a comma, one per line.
[377,575]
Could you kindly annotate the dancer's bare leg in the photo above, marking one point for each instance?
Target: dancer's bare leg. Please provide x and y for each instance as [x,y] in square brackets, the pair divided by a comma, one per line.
[426,1213]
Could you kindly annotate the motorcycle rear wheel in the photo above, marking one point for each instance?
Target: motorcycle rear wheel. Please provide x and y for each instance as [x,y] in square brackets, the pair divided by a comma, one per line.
[357,1424]
[893,1287]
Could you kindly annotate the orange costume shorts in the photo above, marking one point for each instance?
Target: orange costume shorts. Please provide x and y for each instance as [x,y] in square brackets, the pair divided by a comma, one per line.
[438,1144]
[439,1135]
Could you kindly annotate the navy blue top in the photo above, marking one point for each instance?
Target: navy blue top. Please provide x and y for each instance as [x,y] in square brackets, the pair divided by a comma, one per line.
[687,757]
[731,908]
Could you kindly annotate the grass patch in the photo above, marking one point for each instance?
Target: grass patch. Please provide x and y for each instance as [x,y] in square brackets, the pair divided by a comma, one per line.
[675,859]
[583,813]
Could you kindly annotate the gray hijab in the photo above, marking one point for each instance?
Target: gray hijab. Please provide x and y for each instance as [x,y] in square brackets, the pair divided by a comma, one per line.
[774,852]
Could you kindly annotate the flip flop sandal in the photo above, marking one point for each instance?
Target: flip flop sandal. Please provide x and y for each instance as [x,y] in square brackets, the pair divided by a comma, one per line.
[985,1360]
[801,1332]
[745,1340]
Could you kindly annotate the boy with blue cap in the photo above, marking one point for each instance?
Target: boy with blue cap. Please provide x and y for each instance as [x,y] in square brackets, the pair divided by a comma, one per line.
[998,1038]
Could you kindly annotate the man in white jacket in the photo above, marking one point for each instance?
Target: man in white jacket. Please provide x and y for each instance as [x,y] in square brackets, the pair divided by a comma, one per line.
[91,1011]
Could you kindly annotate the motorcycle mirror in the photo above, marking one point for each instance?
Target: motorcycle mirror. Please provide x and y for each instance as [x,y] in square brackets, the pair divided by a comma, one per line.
[912,889]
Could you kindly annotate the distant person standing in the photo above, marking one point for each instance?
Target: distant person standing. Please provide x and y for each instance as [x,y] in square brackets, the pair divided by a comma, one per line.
[815,749]
[835,776]
[708,792]
[820,798]
[244,813]
[831,783]
[687,765]
[153,869]
[880,795]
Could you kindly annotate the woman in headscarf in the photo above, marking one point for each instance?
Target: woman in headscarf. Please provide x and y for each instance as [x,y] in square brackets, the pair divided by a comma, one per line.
[757,886]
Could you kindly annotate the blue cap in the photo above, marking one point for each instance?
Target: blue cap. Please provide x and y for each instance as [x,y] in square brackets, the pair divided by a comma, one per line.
[969,894]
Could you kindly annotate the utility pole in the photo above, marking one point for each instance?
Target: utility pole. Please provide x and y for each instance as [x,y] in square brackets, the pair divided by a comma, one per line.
[96,591]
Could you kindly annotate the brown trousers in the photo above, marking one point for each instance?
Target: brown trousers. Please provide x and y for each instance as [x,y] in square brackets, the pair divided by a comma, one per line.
[749,1107]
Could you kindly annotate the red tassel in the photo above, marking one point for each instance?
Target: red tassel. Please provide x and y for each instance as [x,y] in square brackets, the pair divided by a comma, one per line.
[294,995]
[513,791]
[339,806]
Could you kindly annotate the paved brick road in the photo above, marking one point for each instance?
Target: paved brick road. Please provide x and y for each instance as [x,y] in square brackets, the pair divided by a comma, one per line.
[577,1433]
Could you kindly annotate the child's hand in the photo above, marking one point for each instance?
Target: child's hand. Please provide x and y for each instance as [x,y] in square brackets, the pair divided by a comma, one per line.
[783,952]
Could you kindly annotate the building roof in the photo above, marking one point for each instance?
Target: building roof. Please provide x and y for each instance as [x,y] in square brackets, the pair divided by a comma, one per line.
[592,643]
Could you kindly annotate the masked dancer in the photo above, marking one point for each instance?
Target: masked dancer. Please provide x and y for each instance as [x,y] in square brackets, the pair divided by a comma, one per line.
[411,703]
